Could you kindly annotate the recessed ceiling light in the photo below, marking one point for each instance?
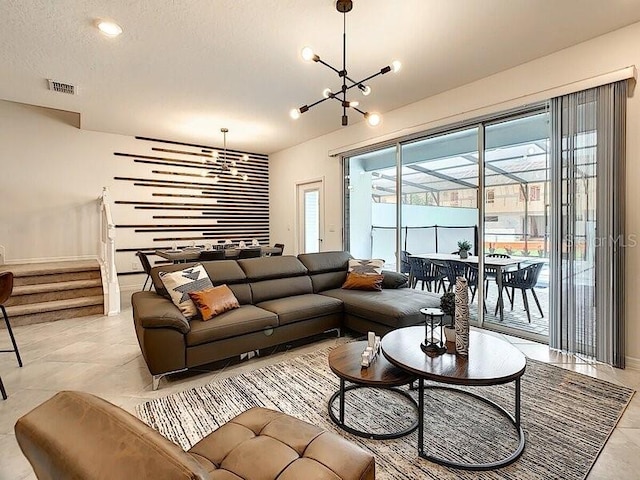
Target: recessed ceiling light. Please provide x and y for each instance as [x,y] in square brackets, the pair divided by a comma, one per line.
[110,29]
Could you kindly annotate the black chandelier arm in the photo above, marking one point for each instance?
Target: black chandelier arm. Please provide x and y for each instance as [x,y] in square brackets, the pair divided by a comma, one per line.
[382,71]
[319,60]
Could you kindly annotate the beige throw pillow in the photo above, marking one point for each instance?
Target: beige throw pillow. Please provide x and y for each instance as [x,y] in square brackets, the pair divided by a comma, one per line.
[180,283]
[366,267]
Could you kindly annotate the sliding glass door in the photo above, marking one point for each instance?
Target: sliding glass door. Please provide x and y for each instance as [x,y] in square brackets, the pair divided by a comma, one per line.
[538,196]
[516,222]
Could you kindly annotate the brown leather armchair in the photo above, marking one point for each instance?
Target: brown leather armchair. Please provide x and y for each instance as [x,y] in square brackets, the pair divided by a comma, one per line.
[76,436]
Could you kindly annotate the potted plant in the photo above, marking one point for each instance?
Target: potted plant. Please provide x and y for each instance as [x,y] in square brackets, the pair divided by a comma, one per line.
[463,248]
[448,306]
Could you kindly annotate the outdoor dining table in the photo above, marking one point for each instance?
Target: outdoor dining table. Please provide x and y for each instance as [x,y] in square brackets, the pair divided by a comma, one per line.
[498,263]
[193,253]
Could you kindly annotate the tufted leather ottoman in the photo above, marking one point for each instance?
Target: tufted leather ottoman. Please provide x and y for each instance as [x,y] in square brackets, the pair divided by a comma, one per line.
[264,444]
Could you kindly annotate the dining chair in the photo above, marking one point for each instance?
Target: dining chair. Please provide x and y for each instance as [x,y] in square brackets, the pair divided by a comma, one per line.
[249,253]
[146,266]
[405,266]
[456,269]
[491,273]
[523,279]
[6,288]
[422,270]
[207,255]
[281,247]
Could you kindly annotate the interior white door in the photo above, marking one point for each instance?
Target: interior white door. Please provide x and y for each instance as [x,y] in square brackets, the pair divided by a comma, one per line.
[310,216]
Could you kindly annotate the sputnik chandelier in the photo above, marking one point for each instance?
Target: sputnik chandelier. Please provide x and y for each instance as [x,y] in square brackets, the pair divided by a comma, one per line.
[225,164]
[372,118]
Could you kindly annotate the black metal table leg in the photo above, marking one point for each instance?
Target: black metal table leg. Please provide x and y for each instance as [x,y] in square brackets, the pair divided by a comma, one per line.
[420,416]
[339,419]
[342,401]
[515,420]
[517,404]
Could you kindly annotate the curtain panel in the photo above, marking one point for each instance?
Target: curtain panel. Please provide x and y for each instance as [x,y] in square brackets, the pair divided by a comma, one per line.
[588,201]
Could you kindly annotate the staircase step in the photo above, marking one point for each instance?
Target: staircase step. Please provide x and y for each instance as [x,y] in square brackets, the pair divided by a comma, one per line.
[57,277]
[42,307]
[48,291]
[52,295]
[56,286]
[53,272]
[50,268]
[90,310]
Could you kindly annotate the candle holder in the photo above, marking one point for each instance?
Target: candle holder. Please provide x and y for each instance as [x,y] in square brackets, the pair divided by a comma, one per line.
[433,345]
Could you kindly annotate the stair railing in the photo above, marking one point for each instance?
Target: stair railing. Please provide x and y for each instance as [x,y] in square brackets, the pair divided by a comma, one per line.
[108,256]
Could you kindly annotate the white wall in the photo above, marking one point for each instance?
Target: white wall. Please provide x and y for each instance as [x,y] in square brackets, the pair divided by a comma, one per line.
[52,176]
[499,92]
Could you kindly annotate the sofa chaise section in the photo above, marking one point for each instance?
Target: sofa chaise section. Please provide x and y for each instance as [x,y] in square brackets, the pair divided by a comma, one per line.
[365,311]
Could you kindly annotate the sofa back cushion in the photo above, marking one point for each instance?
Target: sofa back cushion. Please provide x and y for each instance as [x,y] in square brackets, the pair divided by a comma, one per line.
[220,272]
[280,287]
[328,270]
[265,268]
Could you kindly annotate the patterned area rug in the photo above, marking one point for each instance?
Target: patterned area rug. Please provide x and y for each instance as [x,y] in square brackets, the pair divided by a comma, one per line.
[567,418]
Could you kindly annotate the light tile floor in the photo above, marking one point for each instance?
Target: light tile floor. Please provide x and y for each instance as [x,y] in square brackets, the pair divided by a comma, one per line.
[101,355]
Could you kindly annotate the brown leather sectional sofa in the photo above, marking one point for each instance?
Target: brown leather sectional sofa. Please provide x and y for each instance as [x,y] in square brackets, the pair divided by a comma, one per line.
[281,299]
[75,435]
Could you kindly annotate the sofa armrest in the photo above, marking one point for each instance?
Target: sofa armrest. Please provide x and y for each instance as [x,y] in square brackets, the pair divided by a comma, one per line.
[151,310]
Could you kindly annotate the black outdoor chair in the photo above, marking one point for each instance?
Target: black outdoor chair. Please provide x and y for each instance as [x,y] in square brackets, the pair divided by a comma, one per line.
[461,269]
[422,270]
[490,273]
[405,266]
[146,266]
[523,279]
[281,247]
[207,255]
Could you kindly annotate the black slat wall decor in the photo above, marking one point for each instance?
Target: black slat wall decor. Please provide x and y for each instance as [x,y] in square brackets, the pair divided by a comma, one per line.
[169,196]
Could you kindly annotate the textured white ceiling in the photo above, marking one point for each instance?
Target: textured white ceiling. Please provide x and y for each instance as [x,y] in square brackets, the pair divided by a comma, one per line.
[183,69]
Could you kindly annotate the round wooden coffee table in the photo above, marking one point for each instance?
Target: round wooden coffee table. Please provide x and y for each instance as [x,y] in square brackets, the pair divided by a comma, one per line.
[344,361]
[491,361]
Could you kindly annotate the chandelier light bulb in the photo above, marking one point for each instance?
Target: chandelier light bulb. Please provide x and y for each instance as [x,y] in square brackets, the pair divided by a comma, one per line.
[354,104]
[234,171]
[245,177]
[396,66]
[307,54]
[373,119]
[295,113]
[110,29]
[366,89]
[326,93]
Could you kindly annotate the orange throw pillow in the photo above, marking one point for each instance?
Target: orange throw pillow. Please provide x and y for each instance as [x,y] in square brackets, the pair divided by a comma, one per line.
[358,281]
[214,301]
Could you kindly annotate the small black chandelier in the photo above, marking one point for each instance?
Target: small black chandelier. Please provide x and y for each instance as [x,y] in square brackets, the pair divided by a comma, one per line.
[372,118]
[224,164]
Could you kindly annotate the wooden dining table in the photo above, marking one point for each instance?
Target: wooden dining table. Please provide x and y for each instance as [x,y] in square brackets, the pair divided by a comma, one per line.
[193,253]
[498,263]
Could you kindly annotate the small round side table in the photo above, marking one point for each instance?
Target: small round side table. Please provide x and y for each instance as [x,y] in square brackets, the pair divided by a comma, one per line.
[433,319]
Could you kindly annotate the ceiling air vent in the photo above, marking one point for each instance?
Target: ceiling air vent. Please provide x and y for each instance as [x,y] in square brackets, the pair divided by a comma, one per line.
[62,87]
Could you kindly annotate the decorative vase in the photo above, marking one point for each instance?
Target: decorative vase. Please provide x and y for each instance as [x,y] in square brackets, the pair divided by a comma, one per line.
[462,317]
[464,253]
[450,334]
